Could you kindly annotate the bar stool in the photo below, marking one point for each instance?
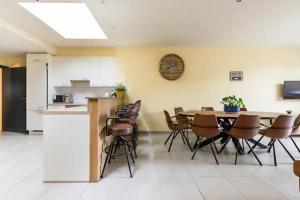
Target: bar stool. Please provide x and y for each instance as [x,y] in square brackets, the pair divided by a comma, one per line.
[118,131]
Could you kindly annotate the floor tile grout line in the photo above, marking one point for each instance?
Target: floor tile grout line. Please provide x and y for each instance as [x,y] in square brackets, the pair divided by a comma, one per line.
[83,191]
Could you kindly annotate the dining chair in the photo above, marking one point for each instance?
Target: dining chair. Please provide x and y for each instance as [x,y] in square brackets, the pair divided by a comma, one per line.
[296,131]
[245,127]
[206,126]
[243,109]
[297,170]
[207,109]
[185,119]
[177,127]
[280,129]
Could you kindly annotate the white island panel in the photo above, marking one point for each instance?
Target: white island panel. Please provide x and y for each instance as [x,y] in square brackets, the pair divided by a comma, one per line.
[66,146]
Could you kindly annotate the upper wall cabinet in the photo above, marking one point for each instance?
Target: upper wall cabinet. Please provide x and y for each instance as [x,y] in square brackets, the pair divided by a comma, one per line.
[99,70]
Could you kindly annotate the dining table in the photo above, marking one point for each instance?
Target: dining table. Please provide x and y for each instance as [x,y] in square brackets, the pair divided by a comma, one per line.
[230,118]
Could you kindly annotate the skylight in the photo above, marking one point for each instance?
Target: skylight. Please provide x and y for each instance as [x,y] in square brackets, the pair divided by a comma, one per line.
[70,20]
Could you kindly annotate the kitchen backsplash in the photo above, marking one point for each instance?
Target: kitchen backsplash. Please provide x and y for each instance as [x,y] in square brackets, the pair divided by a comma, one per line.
[80,93]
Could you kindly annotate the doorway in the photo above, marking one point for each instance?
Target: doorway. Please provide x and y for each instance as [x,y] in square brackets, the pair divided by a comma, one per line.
[13,99]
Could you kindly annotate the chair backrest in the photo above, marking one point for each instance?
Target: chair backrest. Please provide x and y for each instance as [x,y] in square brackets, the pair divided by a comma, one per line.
[205,125]
[296,127]
[243,109]
[207,109]
[245,126]
[169,120]
[282,127]
[177,110]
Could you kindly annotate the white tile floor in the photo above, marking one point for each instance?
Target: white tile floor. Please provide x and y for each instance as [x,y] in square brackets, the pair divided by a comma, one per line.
[158,175]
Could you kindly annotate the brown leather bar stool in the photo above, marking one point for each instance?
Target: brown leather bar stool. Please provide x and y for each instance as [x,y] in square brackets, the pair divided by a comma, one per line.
[177,127]
[206,126]
[245,127]
[280,129]
[118,131]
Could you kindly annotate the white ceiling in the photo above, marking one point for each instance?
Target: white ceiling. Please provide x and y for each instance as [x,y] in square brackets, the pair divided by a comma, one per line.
[11,44]
[177,22]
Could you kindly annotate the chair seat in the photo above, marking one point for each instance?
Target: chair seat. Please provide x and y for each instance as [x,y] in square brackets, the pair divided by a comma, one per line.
[297,168]
[119,129]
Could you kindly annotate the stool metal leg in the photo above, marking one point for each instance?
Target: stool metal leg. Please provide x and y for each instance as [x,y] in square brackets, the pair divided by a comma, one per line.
[106,159]
[127,156]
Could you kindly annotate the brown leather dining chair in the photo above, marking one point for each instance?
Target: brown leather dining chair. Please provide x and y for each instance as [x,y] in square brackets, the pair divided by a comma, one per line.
[245,127]
[206,126]
[177,127]
[207,109]
[280,129]
[297,170]
[296,131]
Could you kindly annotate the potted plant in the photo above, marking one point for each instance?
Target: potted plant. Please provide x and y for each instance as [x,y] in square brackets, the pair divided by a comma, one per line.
[232,103]
[120,90]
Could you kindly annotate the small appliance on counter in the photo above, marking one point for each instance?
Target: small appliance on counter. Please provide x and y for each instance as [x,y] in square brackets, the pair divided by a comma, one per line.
[63,98]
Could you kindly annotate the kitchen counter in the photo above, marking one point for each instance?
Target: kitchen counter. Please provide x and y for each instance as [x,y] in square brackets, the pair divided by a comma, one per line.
[103,97]
[74,140]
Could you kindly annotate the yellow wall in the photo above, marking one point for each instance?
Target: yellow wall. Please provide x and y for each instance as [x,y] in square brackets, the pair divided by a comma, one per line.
[13,61]
[205,80]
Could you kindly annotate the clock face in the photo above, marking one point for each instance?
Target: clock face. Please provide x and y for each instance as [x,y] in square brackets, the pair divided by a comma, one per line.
[171,66]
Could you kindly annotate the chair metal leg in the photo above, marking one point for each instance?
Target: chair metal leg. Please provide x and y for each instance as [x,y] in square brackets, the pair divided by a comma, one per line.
[274,152]
[169,137]
[220,151]
[295,144]
[182,137]
[196,143]
[174,136]
[187,141]
[214,145]
[253,153]
[286,150]
[256,143]
[236,155]
[271,145]
[213,151]
[195,151]
[127,156]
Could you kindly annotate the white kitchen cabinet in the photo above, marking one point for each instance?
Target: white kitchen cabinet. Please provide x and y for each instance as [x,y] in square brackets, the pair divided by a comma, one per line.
[107,74]
[36,89]
[99,70]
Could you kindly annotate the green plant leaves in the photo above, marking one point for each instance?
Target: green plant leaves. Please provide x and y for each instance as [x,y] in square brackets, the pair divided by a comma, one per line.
[233,101]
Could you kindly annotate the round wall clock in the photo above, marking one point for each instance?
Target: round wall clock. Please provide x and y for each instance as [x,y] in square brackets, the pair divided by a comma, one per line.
[171,66]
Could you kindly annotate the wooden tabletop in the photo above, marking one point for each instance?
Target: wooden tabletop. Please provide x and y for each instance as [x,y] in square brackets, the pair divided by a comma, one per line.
[222,114]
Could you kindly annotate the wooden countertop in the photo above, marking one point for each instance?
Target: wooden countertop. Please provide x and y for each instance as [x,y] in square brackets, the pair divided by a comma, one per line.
[103,97]
[66,112]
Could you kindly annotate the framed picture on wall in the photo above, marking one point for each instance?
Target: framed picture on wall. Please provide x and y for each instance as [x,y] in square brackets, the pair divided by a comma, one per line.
[236,75]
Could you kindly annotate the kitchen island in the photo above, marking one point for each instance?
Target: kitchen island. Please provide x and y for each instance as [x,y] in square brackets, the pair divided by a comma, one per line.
[74,140]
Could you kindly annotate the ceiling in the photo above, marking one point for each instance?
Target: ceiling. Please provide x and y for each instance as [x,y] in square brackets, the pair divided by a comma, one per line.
[176,22]
[12,44]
